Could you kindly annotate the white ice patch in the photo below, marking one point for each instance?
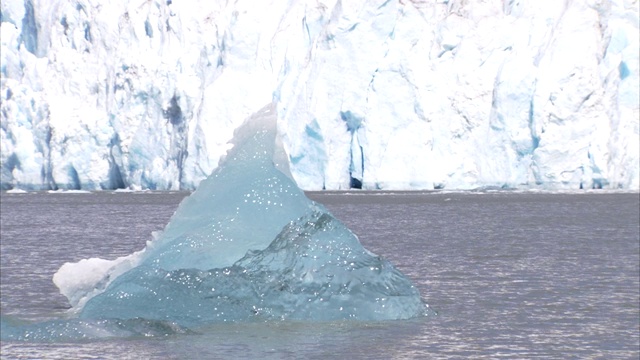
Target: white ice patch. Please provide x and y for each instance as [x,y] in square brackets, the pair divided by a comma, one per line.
[80,281]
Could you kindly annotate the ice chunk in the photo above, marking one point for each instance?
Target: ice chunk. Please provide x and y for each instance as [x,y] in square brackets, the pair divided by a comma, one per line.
[248,245]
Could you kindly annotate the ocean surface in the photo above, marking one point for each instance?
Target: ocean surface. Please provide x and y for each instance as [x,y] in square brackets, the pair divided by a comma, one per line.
[511,275]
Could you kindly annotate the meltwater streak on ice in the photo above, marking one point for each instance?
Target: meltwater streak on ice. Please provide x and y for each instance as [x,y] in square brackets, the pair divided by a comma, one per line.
[246,246]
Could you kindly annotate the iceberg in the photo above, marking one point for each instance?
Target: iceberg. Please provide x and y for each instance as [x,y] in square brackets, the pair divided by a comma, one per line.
[247,245]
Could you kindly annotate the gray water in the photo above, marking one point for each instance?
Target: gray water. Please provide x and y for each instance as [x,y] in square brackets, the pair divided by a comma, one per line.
[511,275]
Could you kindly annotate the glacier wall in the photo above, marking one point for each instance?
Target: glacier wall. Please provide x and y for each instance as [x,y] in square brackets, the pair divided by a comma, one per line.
[394,94]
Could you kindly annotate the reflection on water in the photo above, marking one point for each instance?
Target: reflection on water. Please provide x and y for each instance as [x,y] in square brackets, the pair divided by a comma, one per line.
[511,275]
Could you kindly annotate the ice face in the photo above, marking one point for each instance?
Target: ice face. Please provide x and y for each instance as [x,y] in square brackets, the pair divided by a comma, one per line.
[247,246]
[380,94]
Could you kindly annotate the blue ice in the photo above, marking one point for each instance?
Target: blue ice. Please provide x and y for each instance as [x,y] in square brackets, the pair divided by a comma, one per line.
[248,245]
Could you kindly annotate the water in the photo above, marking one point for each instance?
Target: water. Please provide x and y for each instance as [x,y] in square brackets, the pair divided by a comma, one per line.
[511,275]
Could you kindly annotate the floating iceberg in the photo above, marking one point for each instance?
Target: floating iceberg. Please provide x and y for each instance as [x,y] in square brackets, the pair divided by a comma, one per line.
[247,245]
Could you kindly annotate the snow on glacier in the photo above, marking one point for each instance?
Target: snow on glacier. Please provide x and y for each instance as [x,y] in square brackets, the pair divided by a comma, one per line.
[247,245]
[448,94]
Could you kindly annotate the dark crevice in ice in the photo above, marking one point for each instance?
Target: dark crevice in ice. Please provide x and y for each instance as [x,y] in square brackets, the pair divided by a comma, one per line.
[356,152]
[115,175]
[179,139]
[173,113]
[87,32]
[29,34]
[74,179]
[148,29]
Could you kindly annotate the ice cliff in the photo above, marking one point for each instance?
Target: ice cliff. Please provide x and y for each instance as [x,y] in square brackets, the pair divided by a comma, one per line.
[388,94]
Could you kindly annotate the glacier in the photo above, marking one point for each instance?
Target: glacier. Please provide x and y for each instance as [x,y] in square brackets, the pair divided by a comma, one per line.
[377,94]
[247,245]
